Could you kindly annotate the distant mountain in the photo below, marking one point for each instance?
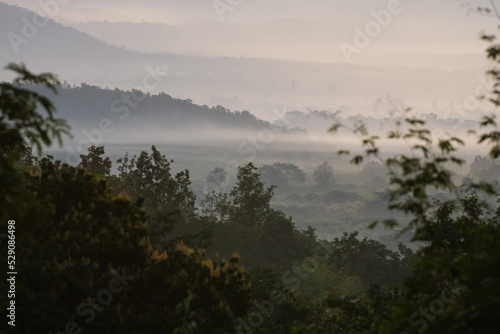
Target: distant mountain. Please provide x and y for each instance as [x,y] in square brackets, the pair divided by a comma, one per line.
[134,116]
[257,85]
[317,122]
[292,39]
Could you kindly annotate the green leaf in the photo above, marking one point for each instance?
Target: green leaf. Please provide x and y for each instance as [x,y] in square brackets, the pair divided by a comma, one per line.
[414,121]
[357,160]
[394,135]
[390,223]
[334,128]
[488,120]
[494,152]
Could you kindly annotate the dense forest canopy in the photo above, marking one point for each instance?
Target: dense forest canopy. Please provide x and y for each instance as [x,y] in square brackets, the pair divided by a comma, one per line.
[133,244]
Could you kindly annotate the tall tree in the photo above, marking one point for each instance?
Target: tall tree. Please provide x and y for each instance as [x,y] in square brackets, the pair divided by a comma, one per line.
[93,162]
[167,198]
[250,198]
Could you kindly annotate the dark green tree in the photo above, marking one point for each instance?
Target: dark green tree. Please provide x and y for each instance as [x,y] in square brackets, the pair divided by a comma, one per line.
[93,162]
[22,126]
[149,176]
[167,198]
[250,198]
[454,284]
[370,260]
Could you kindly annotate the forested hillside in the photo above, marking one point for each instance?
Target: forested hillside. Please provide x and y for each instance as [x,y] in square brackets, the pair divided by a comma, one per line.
[86,105]
[131,211]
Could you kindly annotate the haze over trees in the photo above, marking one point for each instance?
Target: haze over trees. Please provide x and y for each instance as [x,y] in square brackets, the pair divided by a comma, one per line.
[256,236]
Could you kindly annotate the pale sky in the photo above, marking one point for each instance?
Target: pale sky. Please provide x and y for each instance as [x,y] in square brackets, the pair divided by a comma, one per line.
[424,25]
[251,11]
[423,19]
[440,13]
[427,34]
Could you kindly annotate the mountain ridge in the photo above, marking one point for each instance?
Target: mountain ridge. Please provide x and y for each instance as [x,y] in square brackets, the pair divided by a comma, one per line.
[258,85]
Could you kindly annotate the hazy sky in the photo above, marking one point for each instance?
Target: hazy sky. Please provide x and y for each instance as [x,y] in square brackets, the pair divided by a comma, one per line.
[248,11]
[449,22]
[420,26]
[432,34]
